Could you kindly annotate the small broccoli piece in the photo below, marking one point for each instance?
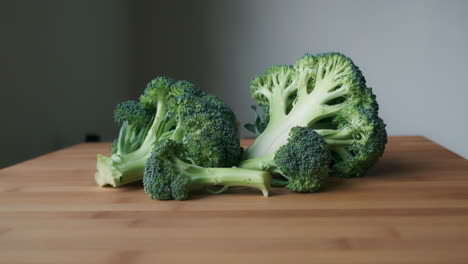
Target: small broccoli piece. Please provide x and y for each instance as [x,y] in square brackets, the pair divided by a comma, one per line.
[134,121]
[206,127]
[328,93]
[175,110]
[170,174]
[358,142]
[303,161]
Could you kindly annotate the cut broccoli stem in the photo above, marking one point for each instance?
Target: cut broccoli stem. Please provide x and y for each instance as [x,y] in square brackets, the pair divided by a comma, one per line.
[225,176]
[116,171]
[114,174]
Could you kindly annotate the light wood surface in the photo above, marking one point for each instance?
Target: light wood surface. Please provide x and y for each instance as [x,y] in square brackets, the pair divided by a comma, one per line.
[411,208]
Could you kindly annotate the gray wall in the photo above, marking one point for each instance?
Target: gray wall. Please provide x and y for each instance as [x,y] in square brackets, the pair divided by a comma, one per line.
[63,67]
[413,54]
[65,64]
[170,38]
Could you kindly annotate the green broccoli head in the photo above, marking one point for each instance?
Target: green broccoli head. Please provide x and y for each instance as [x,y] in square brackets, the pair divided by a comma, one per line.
[315,92]
[304,160]
[156,92]
[359,142]
[207,128]
[262,87]
[170,174]
[176,110]
[131,112]
[135,122]
[162,175]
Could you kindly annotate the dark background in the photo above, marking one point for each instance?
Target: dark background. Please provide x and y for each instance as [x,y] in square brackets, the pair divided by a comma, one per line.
[64,65]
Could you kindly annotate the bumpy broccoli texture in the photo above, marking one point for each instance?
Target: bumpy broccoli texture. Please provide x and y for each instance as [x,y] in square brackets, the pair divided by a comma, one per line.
[302,163]
[327,93]
[169,109]
[318,118]
[170,174]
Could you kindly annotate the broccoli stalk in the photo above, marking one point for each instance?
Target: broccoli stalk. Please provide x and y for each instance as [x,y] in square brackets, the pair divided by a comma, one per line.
[326,93]
[119,173]
[168,176]
[265,163]
[132,147]
[200,176]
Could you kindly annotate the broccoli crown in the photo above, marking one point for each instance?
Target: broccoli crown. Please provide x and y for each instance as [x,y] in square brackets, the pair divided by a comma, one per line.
[201,121]
[162,180]
[176,110]
[161,89]
[204,123]
[170,174]
[318,92]
[368,144]
[304,160]
[189,104]
[135,122]
[207,128]
[131,112]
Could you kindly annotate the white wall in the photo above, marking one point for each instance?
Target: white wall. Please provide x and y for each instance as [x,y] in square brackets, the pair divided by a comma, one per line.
[63,67]
[413,53]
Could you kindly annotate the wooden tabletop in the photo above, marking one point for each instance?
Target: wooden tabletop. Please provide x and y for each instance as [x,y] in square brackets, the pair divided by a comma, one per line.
[411,208]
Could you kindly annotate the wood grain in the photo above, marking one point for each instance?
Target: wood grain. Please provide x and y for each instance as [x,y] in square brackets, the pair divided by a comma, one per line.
[411,208]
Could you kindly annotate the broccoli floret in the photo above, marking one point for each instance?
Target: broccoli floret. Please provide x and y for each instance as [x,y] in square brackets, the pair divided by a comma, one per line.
[205,125]
[175,110]
[302,162]
[170,174]
[358,142]
[327,93]
[135,122]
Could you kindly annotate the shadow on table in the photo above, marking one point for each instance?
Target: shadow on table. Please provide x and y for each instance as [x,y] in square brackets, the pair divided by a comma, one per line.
[391,168]
[386,167]
[132,186]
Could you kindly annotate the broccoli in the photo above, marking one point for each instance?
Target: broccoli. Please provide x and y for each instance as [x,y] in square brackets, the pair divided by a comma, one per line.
[327,93]
[170,174]
[175,110]
[135,123]
[303,161]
